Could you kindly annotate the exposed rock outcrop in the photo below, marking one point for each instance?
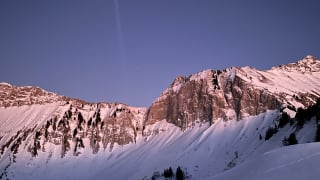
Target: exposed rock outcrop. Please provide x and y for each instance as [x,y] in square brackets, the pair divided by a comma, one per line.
[235,93]
[230,94]
[73,127]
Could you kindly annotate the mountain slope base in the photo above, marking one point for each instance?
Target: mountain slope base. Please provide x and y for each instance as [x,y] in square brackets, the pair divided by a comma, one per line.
[292,162]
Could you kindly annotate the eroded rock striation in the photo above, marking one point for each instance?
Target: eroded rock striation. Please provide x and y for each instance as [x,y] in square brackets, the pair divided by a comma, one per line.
[236,93]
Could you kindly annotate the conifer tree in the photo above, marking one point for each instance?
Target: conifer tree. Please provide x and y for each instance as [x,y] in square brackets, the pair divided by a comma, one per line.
[317,139]
[179,174]
[292,139]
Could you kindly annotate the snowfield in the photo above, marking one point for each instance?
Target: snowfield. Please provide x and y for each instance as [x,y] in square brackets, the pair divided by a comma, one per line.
[47,136]
[293,162]
[203,151]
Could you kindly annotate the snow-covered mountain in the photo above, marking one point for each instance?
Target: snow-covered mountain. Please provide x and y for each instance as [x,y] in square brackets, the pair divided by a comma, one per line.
[216,124]
[236,93]
[26,95]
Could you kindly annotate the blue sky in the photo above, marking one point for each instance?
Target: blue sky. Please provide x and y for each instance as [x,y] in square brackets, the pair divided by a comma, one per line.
[130,51]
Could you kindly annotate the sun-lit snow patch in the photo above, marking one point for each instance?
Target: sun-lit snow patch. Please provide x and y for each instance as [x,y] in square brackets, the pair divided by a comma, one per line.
[290,112]
[201,75]
[17,118]
[231,114]
[5,84]
[233,73]
[285,84]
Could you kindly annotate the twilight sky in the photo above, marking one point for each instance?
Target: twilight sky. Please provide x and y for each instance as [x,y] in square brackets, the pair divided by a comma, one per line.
[131,50]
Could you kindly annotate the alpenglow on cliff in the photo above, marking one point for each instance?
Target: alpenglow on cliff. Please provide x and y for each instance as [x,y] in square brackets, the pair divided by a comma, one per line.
[209,124]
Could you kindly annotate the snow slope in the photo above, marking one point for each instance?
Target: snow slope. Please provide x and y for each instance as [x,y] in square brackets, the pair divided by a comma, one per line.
[203,151]
[288,82]
[124,147]
[20,124]
[293,162]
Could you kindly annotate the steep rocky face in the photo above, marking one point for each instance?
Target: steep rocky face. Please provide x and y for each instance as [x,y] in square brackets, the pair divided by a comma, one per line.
[212,96]
[308,64]
[109,124]
[64,129]
[236,93]
[75,125]
[33,120]
[26,95]
[244,99]
[11,96]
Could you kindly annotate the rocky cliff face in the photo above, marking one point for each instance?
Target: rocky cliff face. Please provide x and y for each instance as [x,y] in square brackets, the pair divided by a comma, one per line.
[37,119]
[37,126]
[103,125]
[235,93]
[33,119]
[26,95]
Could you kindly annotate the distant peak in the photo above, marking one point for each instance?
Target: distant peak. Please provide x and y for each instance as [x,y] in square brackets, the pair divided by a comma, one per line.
[308,59]
[307,64]
[201,75]
[5,84]
[178,79]
[11,95]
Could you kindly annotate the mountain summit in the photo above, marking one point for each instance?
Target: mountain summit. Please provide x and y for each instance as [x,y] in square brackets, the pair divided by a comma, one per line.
[209,124]
[236,93]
